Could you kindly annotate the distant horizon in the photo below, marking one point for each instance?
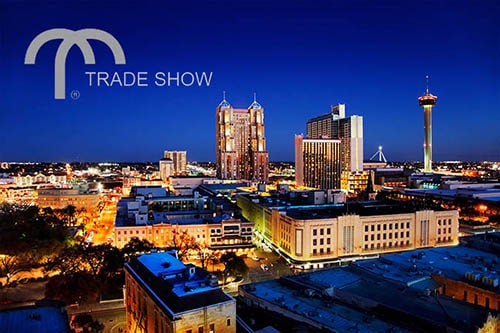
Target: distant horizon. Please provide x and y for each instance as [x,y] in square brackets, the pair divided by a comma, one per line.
[284,161]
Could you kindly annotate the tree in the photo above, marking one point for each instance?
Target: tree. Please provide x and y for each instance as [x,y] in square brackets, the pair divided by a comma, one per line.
[26,228]
[182,242]
[88,323]
[104,263]
[78,287]
[233,265]
[136,245]
[204,253]
[67,262]
[9,266]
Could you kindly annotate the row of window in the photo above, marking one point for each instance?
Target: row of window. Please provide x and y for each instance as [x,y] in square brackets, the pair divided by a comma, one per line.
[321,231]
[384,226]
[444,221]
[218,240]
[385,245]
[321,241]
[387,236]
[321,251]
[444,231]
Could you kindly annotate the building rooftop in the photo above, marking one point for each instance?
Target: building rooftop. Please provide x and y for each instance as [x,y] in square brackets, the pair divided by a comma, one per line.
[395,287]
[415,266]
[39,319]
[174,286]
[163,263]
[332,210]
[214,189]
[330,315]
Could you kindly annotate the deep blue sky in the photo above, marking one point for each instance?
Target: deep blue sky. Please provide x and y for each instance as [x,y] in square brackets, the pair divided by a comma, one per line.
[299,57]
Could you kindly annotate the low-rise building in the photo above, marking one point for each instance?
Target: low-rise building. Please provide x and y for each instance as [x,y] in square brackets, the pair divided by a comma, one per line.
[59,178]
[420,291]
[59,198]
[44,317]
[155,216]
[164,295]
[314,236]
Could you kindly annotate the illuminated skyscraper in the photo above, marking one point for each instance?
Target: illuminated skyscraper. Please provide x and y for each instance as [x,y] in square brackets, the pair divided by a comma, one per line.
[317,163]
[179,160]
[240,142]
[427,101]
[335,125]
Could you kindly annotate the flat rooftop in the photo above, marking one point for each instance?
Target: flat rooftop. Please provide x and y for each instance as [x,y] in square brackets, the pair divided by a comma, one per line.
[451,261]
[39,319]
[333,210]
[328,314]
[390,287]
[174,286]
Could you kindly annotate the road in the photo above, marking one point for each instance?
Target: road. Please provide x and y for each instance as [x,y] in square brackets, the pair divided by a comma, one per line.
[277,267]
[105,223]
[111,314]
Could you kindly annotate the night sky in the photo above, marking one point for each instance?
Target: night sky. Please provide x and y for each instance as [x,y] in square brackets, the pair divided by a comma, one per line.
[300,57]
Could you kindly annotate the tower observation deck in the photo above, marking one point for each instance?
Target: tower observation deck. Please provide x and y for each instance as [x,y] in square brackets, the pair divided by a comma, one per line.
[427,101]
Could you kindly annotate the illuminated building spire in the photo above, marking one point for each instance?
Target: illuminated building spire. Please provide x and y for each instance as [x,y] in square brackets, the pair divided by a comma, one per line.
[255,104]
[224,103]
[427,102]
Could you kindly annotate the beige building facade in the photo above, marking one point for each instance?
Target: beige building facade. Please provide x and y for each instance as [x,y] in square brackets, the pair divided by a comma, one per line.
[227,234]
[59,198]
[318,238]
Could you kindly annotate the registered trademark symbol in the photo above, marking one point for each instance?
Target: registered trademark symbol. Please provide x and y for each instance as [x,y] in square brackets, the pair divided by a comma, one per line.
[75,94]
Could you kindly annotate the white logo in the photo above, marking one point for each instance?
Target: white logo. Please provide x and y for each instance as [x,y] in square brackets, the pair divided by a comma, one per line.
[70,38]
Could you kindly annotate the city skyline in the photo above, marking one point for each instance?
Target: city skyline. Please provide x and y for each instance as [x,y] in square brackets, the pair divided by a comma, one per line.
[299,58]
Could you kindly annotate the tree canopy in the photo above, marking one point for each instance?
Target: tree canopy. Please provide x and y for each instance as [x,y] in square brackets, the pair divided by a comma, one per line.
[233,265]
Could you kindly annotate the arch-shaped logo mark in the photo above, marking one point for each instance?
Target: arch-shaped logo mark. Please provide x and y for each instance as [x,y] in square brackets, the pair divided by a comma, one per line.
[70,38]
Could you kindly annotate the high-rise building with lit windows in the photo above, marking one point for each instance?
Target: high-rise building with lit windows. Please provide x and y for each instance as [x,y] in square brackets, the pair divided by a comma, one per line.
[317,163]
[240,142]
[335,125]
[179,160]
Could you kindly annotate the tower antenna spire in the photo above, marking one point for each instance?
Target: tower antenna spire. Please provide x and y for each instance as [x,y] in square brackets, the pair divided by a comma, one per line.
[427,102]
[255,97]
[224,95]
